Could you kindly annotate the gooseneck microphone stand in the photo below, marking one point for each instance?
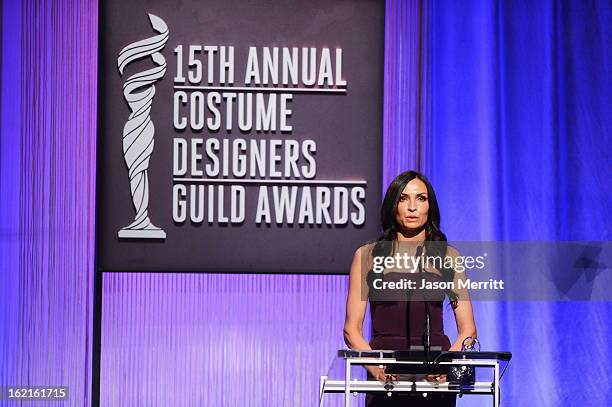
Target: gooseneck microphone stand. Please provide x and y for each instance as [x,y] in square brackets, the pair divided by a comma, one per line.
[427,325]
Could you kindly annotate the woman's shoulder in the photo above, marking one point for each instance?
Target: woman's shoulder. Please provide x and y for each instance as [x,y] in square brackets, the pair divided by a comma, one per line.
[365,249]
[371,249]
[452,251]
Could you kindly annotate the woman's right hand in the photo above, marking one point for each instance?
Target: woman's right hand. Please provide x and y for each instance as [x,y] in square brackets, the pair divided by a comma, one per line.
[379,374]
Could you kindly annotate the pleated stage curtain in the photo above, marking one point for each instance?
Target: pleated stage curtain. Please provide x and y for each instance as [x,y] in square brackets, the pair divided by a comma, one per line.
[521,151]
[47,185]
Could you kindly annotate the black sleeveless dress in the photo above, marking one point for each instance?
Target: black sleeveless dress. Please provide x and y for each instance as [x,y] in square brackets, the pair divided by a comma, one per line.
[399,323]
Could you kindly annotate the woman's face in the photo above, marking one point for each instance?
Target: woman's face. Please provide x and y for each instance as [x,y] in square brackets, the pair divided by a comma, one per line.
[413,206]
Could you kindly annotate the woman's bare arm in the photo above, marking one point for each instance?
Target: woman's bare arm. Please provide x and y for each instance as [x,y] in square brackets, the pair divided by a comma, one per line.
[464,317]
[356,304]
[464,314]
[355,308]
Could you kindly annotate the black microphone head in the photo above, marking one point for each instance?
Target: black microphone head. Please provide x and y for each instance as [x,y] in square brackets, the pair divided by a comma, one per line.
[419,252]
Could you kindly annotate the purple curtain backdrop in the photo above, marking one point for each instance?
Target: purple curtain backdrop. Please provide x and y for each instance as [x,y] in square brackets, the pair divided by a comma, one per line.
[407,104]
[47,183]
[212,339]
[218,339]
[520,129]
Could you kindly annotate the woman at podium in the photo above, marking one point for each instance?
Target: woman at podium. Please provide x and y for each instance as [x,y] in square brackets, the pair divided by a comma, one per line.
[391,272]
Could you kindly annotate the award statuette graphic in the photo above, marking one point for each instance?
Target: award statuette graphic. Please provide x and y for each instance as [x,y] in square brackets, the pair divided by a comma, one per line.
[138,132]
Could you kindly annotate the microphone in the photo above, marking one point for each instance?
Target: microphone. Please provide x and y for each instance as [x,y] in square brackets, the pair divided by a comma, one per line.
[427,325]
[419,253]
[427,333]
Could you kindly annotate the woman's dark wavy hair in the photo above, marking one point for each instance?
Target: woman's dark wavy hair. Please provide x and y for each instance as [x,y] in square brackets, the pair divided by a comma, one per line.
[435,240]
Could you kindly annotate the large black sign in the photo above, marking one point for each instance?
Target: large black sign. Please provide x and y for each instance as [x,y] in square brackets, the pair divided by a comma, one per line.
[238,136]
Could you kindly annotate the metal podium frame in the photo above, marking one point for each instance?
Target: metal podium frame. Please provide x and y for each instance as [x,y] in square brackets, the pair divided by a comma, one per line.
[348,386]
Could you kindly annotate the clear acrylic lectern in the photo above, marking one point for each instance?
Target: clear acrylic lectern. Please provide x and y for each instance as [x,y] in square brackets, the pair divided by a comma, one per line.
[347,374]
